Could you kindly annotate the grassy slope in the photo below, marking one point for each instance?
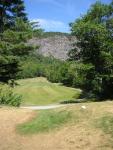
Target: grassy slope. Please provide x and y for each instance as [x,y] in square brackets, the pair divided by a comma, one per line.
[39,91]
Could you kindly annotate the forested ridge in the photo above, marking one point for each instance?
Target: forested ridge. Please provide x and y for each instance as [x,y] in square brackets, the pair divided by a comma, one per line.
[90,62]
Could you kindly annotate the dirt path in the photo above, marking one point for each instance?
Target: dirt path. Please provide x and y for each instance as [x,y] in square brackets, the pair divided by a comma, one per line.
[42,107]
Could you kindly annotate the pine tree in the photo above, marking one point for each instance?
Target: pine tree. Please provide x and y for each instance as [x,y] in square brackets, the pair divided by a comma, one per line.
[13,39]
[9,10]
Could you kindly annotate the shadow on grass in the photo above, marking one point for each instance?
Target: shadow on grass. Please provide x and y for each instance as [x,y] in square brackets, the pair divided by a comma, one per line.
[74,101]
[84,97]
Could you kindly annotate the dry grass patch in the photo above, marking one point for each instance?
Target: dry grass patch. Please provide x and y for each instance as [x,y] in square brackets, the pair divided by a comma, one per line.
[78,134]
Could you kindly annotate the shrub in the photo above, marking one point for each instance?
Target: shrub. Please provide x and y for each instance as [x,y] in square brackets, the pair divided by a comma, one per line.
[7,97]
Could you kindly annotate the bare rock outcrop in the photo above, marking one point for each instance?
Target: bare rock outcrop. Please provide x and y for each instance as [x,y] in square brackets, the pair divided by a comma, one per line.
[57,46]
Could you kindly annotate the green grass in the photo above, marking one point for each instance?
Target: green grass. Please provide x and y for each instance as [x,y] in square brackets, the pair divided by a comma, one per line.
[106,124]
[39,91]
[45,121]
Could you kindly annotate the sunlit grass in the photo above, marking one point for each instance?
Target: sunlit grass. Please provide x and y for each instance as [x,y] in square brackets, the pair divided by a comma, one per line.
[39,91]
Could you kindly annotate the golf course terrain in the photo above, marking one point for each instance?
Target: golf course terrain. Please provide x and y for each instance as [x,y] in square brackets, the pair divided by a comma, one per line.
[39,91]
[84,126]
[56,75]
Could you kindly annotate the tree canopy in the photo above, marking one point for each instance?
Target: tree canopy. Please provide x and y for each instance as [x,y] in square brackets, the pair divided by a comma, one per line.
[9,10]
[14,32]
[94,32]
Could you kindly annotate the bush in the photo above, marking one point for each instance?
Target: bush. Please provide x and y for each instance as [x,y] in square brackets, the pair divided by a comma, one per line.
[7,97]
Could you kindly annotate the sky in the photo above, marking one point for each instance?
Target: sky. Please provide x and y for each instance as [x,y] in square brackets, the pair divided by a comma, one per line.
[55,15]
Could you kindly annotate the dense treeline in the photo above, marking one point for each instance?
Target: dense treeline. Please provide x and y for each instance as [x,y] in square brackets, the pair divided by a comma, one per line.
[52,34]
[69,73]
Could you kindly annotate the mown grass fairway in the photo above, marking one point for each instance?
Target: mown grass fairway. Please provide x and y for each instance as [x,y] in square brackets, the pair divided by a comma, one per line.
[39,91]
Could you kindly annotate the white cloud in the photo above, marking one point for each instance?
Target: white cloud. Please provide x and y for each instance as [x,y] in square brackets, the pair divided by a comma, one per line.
[52,25]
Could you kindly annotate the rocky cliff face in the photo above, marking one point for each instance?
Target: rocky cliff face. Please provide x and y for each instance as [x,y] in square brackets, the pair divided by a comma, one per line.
[57,46]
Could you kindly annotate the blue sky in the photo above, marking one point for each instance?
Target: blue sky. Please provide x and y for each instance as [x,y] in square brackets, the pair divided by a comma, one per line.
[55,15]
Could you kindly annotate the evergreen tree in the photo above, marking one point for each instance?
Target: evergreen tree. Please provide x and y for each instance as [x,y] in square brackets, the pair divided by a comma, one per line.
[12,43]
[9,10]
[12,50]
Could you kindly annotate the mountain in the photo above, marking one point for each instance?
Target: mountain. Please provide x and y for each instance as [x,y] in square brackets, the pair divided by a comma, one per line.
[54,44]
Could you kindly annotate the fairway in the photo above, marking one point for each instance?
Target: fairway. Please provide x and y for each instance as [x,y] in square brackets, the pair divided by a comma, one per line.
[39,91]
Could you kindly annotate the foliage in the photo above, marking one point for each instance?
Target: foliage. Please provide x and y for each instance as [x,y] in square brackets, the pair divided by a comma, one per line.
[12,48]
[95,35]
[7,97]
[52,34]
[9,10]
[29,69]
[15,30]
[41,66]
[45,121]
[37,31]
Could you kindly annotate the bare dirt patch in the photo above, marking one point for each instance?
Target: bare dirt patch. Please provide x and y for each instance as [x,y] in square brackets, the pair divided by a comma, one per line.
[9,118]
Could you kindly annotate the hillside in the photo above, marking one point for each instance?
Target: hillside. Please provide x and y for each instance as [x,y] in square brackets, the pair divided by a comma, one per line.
[54,44]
